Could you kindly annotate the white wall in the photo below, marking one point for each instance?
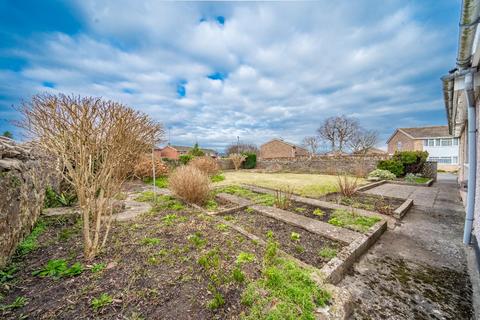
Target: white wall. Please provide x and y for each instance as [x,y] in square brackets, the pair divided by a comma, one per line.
[437,151]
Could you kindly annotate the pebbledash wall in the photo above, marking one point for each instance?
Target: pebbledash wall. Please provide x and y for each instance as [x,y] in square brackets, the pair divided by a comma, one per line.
[24,175]
[352,164]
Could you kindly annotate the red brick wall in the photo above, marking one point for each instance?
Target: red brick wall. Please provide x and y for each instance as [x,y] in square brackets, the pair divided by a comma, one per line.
[408,144]
[168,152]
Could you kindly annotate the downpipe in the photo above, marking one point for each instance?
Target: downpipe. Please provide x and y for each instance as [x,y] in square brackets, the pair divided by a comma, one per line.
[472,158]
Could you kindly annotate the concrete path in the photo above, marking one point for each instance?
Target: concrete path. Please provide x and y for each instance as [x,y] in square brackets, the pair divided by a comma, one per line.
[417,270]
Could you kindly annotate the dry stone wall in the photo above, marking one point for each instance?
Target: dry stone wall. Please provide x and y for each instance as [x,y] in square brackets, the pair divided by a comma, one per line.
[24,174]
[352,164]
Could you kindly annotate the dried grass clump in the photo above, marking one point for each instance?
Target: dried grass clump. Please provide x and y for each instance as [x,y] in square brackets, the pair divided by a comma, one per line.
[283,198]
[237,159]
[206,164]
[144,169]
[190,184]
[347,185]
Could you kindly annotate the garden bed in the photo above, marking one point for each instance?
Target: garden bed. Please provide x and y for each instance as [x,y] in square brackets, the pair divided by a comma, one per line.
[306,246]
[169,263]
[419,182]
[365,201]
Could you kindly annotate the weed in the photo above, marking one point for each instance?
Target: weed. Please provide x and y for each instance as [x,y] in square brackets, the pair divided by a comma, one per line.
[229,218]
[283,198]
[58,268]
[169,219]
[8,274]
[245,257]
[161,182]
[66,233]
[319,212]
[19,302]
[30,243]
[347,185]
[216,302]
[103,300]
[197,239]
[263,199]
[249,210]
[348,219]
[295,236]
[210,260]
[238,275]
[211,205]
[222,227]
[98,267]
[150,241]
[300,210]
[327,253]
[299,249]
[218,177]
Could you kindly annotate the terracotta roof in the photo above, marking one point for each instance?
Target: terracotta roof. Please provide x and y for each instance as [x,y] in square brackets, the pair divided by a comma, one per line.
[423,132]
[186,149]
[288,143]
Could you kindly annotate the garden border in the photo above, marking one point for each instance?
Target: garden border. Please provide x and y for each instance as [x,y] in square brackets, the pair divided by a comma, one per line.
[426,184]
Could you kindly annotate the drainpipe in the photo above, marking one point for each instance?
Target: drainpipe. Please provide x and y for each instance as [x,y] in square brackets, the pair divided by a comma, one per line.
[472,157]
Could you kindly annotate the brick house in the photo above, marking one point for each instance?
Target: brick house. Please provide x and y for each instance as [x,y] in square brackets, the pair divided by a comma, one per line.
[173,152]
[277,148]
[441,146]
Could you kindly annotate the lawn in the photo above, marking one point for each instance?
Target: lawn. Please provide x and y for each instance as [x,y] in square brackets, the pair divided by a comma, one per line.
[310,185]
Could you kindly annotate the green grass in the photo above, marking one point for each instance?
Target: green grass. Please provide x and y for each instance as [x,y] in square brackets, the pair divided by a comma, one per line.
[263,199]
[59,268]
[285,291]
[245,257]
[197,239]
[327,253]
[19,302]
[310,185]
[421,180]
[347,219]
[103,300]
[98,267]
[160,202]
[222,227]
[218,178]
[30,243]
[151,241]
[216,302]
[161,182]
[8,273]
[211,205]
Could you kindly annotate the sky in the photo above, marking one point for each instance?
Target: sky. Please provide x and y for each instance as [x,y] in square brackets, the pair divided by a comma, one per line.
[215,71]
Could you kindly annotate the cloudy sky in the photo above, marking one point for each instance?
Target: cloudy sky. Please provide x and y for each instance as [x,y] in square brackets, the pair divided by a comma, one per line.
[213,71]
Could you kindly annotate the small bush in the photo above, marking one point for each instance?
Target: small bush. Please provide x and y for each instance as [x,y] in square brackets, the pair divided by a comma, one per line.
[185,158]
[347,185]
[144,167]
[58,268]
[104,300]
[191,184]
[381,174]
[283,198]
[250,160]
[207,165]
[394,166]
[237,160]
[412,161]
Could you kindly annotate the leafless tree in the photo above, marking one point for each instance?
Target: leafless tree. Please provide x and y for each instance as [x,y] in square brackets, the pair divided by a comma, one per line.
[338,131]
[363,140]
[96,142]
[311,143]
[237,159]
[241,147]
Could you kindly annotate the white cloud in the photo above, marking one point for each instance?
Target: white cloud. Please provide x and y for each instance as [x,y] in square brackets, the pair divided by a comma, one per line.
[288,65]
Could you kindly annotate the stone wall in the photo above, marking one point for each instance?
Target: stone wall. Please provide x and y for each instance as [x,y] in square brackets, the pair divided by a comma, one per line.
[24,175]
[225,164]
[352,164]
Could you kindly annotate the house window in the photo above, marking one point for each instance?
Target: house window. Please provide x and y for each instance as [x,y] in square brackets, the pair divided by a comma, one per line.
[446,142]
[425,142]
[443,160]
[431,142]
[399,145]
[437,142]
[455,141]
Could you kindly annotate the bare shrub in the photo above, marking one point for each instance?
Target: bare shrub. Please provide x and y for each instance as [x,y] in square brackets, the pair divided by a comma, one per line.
[144,168]
[206,164]
[347,185]
[237,160]
[95,142]
[283,198]
[190,184]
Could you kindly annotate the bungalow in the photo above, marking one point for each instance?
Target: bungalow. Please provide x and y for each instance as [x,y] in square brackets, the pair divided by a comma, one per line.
[278,148]
[173,152]
[441,146]
[461,89]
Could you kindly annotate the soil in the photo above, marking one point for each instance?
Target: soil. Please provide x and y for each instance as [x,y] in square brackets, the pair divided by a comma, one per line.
[365,201]
[306,248]
[307,210]
[150,281]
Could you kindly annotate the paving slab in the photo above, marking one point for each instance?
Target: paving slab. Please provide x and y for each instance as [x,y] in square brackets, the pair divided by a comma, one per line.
[419,269]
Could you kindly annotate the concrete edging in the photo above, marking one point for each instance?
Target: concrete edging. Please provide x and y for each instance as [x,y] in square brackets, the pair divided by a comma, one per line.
[405,183]
[371,185]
